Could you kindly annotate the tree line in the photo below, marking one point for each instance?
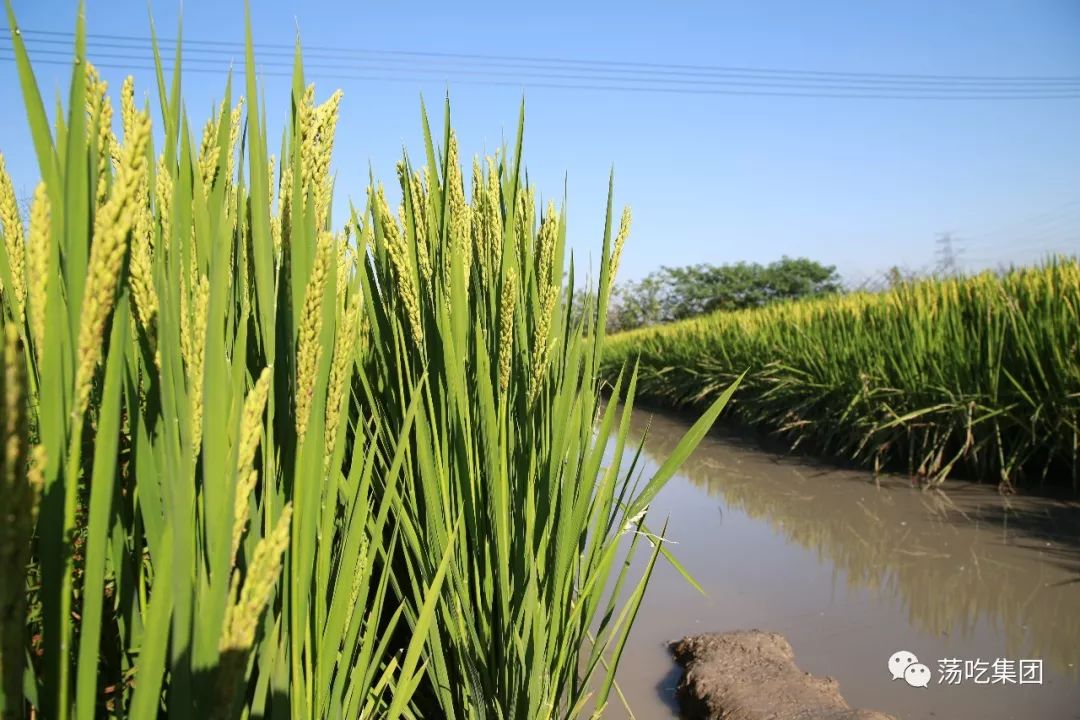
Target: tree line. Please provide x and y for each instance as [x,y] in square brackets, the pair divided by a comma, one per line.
[677,293]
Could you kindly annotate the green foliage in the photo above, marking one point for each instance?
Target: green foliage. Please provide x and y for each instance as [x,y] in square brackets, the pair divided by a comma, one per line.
[505,462]
[671,294]
[977,374]
[284,471]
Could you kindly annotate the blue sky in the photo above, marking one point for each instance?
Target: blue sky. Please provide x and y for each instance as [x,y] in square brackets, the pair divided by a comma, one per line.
[862,184]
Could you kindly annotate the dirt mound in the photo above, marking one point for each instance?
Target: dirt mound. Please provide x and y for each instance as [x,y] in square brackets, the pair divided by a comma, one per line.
[751,675]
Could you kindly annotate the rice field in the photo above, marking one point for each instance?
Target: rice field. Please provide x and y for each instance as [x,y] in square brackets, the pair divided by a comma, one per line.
[256,465]
[972,376]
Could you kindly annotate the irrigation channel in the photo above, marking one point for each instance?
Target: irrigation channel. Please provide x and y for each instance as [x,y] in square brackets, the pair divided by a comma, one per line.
[851,570]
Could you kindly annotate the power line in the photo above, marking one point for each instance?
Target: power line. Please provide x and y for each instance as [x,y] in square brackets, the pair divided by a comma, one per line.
[1053,213]
[1057,238]
[1035,229]
[338,54]
[715,69]
[1023,258]
[614,76]
[533,83]
[586,83]
[1019,252]
[378,66]
[1043,239]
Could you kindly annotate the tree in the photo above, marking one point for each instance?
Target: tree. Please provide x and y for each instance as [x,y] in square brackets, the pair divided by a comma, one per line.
[790,278]
[636,304]
[676,293]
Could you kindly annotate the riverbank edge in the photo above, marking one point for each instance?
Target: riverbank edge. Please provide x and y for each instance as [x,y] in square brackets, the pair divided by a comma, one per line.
[752,675]
[730,426]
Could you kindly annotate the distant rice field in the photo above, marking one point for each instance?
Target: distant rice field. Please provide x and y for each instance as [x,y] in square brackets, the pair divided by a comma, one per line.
[977,376]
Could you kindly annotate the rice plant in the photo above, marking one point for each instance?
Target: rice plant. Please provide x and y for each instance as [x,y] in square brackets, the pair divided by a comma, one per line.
[977,376]
[255,466]
[505,456]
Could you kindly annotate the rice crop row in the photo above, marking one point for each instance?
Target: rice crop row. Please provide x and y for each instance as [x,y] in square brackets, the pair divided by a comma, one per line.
[255,466]
[977,376]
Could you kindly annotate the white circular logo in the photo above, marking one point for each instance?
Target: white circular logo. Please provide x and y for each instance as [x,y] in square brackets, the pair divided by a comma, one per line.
[899,662]
[917,675]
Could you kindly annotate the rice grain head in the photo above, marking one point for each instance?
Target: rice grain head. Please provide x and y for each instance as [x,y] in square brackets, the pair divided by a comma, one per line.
[326,117]
[245,484]
[524,220]
[244,612]
[460,213]
[100,115]
[548,288]
[493,223]
[341,370]
[186,343]
[402,265]
[620,241]
[208,155]
[197,361]
[141,278]
[242,616]
[251,424]
[112,224]
[280,227]
[127,105]
[14,241]
[251,430]
[251,435]
[308,345]
[96,90]
[477,230]
[307,134]
[210,152]
[163,191]
[545,254]
[37,257]
[420,214]
[235,123]
[341,246]
[506,328]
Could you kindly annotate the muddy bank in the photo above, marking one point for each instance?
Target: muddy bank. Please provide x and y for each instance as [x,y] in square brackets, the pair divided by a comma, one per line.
[751,675]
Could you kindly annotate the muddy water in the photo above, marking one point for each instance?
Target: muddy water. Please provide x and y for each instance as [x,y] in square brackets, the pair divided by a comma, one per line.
[851,571]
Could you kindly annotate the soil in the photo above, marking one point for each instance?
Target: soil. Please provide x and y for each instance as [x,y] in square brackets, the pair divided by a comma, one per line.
[751,675]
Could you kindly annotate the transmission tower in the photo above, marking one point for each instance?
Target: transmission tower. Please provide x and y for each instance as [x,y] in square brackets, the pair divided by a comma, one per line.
[948,254]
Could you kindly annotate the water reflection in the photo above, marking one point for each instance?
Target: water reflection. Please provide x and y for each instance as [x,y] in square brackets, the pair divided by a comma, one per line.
[953,559]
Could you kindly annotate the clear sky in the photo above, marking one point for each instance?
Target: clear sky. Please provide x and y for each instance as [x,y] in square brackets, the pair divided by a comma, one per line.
[860,183]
